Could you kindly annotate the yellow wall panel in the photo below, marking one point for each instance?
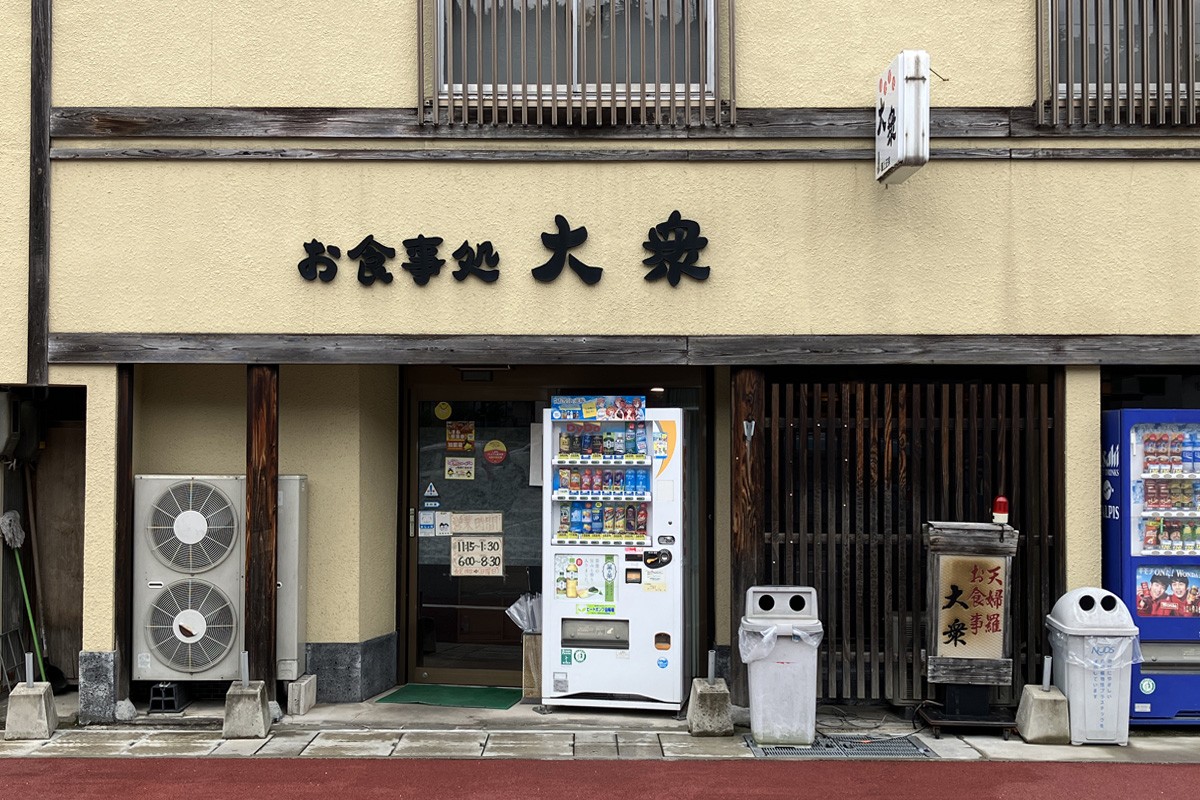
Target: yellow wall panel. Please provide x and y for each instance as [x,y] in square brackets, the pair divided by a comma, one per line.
[228,53]
[100,504]
[14,189]
[796,248]
[313,53]
[379,413]
[337,425]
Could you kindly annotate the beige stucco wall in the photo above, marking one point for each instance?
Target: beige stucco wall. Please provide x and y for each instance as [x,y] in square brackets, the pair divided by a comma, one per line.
[378,485]
[312,53]
[332,428]
[14,186]
[1081,462]
[100,505]
[798,248]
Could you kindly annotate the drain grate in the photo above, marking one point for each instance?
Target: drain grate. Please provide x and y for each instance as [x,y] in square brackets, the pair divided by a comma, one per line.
[846,746]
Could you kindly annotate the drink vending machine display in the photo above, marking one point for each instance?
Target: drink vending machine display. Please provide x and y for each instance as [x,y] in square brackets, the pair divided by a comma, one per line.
[612,577]
[1150,494]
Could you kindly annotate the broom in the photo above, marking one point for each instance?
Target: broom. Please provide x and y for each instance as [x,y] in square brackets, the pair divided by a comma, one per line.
[14,537]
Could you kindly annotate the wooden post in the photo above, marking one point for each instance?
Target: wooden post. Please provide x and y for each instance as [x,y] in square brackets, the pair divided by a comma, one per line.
[123,569]
[747,507]
[262,505]
[38,301]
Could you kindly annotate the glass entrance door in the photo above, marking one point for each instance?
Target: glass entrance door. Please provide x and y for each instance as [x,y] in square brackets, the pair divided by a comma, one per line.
[477,546]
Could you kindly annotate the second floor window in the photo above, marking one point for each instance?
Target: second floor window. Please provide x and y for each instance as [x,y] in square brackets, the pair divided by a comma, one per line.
[575,62]
[1118,62]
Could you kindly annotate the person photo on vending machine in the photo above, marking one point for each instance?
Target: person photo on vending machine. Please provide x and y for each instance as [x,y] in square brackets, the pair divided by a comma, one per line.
[1179,590]
[1148,604]
[1165,605]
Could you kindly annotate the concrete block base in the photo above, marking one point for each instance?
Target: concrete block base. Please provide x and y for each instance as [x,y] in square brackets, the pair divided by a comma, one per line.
[31,713]
[1042,717]
[302,695]
[708,711]
[247,715]
[97,686]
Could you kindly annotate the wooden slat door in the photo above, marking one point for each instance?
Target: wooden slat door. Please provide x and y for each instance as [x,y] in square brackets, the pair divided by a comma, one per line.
[852,469]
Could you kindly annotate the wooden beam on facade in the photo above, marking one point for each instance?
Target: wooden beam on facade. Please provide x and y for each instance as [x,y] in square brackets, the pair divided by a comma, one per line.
[775,155]
[365,349]
[262,509]
[99,122]
[38,323]
[1014,350]
[748,498]
[123,568]
[539,156]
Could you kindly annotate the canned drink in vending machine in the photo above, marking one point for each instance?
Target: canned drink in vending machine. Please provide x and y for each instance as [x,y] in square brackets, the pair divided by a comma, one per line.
[1150,452]
[1164,452]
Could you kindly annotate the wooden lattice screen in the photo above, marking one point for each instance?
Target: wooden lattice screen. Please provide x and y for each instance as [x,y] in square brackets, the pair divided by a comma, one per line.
[851,471]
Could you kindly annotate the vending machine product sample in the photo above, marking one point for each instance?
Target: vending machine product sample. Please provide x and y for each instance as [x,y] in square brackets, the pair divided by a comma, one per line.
[1150,495]
[612,509]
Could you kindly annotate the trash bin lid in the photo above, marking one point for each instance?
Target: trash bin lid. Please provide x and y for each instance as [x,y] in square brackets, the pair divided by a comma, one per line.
[1091,612]
[763,624]
[781,603]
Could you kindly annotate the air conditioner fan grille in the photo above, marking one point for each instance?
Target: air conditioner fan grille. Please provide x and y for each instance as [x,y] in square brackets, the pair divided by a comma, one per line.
[183,611]
[217,529]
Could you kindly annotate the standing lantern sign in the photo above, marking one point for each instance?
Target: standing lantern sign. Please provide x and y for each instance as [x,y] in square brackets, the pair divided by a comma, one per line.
[970,644]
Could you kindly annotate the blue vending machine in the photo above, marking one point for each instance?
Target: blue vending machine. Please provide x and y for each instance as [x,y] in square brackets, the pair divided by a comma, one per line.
[1150,490]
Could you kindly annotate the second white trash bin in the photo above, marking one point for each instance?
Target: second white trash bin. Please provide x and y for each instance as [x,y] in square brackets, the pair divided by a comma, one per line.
[778,640]
[1094,643]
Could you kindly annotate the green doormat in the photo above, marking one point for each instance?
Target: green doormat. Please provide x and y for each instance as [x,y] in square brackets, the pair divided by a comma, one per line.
[434,694]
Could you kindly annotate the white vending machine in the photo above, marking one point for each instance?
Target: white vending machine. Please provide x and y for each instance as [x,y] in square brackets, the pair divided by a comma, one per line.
[613,560]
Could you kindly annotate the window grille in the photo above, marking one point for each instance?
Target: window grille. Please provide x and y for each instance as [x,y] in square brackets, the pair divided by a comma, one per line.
[591,63]
[1117,62]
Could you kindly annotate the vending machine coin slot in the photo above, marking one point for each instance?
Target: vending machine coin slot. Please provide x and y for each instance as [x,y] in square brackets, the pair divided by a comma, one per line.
[662,641]
[657,559]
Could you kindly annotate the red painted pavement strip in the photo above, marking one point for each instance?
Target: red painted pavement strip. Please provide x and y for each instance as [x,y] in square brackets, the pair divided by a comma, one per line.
[151,778]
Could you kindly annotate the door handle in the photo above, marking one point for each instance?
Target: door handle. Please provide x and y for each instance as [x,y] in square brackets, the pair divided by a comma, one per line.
[412,517]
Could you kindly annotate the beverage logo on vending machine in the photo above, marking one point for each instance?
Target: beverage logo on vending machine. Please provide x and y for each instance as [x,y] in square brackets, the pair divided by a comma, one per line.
[595,610]
[1110,459]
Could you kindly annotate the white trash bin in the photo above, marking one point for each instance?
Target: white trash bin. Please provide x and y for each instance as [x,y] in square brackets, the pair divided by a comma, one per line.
[1095,644]
[778,640]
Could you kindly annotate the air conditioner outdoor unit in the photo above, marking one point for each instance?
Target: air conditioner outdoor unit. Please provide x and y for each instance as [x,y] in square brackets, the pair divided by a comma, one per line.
[188,590]
[189,579]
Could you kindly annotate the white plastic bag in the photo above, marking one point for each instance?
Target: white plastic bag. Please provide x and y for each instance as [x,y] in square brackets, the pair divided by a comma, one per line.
[527,613]
[755,645]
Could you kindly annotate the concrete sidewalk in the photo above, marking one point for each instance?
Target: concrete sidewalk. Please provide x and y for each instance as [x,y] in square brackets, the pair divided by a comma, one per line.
[378,730]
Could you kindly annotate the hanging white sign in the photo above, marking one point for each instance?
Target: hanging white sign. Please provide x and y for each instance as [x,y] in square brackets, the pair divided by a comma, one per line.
[902,117]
